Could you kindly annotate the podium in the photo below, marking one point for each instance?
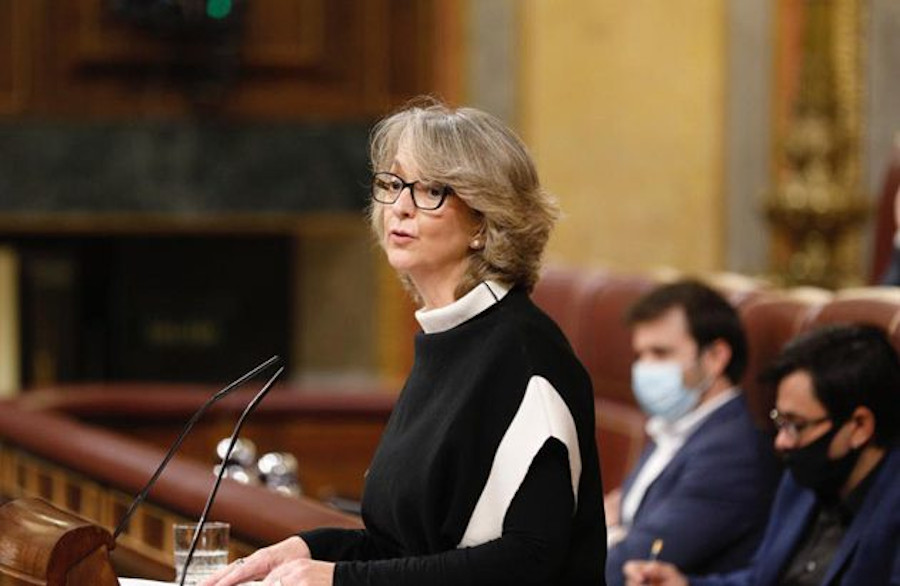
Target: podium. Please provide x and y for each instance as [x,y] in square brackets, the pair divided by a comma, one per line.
[42,545]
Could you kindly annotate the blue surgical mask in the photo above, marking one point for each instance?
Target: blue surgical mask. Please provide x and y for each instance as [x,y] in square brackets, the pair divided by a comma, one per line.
[660,390]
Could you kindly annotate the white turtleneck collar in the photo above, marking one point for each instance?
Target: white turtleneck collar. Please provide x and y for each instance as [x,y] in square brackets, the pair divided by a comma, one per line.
[483,296]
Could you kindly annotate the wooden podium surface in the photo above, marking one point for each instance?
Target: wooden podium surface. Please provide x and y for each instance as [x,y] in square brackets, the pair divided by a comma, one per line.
[43,545]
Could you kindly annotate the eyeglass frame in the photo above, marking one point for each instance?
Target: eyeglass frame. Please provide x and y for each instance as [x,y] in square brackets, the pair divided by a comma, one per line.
[795,428]
[446,191]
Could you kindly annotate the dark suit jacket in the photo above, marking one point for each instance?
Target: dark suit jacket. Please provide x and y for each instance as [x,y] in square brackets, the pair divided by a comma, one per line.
[711,502]
[869,554]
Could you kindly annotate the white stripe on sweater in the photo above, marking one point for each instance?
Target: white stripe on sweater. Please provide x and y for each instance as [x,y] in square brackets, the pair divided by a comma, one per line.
[541,415]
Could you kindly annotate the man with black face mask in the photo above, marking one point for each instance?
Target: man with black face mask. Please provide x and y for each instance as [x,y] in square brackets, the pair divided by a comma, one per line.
[836,518]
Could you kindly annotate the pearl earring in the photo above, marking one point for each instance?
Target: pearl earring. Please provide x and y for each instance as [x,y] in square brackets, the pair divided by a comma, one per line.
[476,244]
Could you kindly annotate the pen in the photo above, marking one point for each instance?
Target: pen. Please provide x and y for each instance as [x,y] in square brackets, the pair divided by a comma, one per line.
[656,549]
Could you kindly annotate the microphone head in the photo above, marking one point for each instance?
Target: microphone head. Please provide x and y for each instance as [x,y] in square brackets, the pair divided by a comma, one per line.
[243,454]
[279,472]
[277,464]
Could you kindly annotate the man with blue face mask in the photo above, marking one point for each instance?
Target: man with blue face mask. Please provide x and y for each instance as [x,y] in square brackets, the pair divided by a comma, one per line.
[704,485]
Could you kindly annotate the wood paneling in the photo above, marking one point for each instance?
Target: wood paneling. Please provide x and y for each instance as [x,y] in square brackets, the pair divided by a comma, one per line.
[288,59]
[277,34]
[16,24]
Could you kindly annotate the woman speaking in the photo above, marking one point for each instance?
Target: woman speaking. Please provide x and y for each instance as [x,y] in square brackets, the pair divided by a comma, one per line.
[487,471]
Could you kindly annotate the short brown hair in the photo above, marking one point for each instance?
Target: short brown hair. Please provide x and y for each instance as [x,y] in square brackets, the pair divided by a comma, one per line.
[709,316]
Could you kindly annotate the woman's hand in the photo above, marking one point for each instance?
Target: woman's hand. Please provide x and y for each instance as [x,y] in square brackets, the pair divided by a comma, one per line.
[643,573]
[302,573]
[259,564]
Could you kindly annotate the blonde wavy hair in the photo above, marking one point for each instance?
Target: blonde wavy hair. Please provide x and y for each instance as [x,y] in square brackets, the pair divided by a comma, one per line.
[489,168]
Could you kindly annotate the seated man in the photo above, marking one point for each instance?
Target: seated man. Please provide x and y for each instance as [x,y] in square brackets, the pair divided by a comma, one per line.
[705,483]
[836,517]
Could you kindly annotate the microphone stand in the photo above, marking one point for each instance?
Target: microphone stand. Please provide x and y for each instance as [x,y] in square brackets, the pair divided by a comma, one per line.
[212,495]
[123,523]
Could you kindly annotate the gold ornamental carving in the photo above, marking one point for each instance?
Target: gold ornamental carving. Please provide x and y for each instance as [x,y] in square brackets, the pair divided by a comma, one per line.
[817,208]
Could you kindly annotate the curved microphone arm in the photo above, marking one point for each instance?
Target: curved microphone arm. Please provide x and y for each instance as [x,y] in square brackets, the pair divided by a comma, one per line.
[123,523]
[215,489]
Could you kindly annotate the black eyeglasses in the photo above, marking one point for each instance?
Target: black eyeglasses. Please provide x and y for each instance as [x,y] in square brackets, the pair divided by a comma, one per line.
[426,195]
[794,427]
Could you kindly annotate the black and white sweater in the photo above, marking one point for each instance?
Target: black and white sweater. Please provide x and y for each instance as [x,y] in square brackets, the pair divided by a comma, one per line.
[487,472]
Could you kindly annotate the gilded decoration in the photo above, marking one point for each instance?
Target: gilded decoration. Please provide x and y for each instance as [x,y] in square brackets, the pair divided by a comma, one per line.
[817,208]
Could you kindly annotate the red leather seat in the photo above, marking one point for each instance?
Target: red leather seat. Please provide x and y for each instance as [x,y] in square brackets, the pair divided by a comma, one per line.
[603,340]
[770,321]
[878,306]
[738,289]
[559,292]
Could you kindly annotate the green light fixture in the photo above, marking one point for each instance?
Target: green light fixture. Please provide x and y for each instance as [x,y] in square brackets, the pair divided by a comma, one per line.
[218,9]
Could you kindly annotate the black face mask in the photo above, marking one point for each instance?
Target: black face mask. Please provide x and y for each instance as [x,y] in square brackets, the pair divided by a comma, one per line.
[812,468]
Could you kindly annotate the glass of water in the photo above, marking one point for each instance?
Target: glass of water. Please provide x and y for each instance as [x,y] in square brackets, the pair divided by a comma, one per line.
[211,553]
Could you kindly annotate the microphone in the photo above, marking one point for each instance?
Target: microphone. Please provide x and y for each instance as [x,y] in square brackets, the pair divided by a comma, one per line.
[123,523]
[215,489]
